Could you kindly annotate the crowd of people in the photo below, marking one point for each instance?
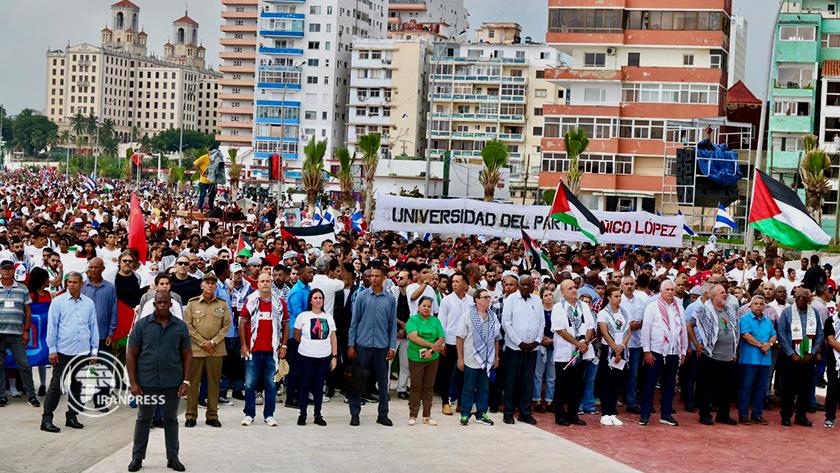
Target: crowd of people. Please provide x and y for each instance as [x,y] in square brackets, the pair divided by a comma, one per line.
[469,321]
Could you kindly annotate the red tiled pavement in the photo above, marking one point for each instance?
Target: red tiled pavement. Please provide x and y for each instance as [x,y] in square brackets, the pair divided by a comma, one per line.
[694,447]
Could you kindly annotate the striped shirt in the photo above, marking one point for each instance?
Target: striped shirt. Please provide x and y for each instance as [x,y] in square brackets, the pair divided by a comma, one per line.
[12,301]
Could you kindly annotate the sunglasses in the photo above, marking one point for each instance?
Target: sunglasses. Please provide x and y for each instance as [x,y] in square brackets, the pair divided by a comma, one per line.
[183,263]
[127,260]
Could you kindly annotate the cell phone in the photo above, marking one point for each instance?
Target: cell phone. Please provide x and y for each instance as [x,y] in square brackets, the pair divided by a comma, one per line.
[425,353]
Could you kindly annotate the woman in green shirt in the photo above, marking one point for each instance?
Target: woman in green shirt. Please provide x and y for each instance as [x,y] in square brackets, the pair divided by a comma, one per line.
[425,343]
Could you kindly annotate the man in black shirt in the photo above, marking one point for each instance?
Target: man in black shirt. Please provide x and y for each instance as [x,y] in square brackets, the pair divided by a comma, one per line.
[403,314]
[183,284]
[814,275]
[159,366]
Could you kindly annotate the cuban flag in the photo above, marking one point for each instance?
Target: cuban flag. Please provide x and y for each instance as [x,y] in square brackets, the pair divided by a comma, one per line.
[724,219]
[329,215]
[357,219]
[90,183]
[688,230]
[317,218]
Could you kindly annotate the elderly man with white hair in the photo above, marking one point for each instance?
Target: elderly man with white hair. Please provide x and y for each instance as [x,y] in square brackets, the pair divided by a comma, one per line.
[664,343]
[717,323]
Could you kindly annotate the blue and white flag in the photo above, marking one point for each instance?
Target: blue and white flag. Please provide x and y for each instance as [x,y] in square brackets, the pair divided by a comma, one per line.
[357,218]
[724,220]
[317,218]
[687,229]
[329,215]
[91,184]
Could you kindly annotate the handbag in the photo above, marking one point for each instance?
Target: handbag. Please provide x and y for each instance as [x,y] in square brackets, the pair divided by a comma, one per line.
[356,380]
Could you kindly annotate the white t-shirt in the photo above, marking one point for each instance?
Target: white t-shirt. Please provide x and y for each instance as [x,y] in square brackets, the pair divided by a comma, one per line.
[560,320]
[36,256]
[414,304]
[110,257]
[315,330]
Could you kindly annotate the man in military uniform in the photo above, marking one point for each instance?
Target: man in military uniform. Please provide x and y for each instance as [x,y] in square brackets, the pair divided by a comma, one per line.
[208,319]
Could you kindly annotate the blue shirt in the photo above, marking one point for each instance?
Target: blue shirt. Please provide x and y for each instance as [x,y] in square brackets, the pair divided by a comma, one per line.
[762,330]
[71,326]
[298,300]
[689,317]
[104,297]
[222,293]
[374,321]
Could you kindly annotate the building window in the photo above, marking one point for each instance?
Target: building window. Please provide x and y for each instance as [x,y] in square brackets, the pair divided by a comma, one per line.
[791,108]
[314,27]
[537,131]
[831,40]
[314,45]
[633,59]
[594,95]
[589,163]
[312,80]
[688,59]
[594,60]
[797,33]
[538,111]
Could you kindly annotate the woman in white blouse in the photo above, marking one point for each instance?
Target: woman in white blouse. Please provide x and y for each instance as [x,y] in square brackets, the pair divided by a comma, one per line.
[613,324]
[315,331]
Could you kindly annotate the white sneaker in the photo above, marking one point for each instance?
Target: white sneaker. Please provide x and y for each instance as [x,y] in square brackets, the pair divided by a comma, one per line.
[616,421]
[412,421]
[606,420]
[247,420]
[271,422]
[259,400]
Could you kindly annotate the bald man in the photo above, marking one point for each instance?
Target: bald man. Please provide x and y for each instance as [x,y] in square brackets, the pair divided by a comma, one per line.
[574,329]
[664,343]
[524,323]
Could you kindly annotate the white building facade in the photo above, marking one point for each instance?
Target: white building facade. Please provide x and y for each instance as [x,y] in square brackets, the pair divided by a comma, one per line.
[449,12]
[737,67]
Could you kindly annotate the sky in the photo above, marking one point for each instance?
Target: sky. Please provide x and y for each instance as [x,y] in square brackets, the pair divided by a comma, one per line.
[31,27]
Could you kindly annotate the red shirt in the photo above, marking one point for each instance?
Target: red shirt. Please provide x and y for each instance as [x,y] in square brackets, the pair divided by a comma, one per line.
[264,329]
[272,259]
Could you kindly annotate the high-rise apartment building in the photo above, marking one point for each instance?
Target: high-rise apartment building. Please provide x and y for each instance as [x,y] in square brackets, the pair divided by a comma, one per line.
[120,82]
[492,90]
[634,65]
[303,75]
[238,56]
[446,12]
[737,69]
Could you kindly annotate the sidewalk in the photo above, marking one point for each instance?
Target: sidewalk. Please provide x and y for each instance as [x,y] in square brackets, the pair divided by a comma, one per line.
[339,448]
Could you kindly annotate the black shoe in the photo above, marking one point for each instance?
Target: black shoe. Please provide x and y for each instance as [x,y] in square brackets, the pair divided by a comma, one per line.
[48,426]
[34,402]
[820,407]
[175,464]
[644,421]
[189,423]
[3,402]
[292,404]
[577,421]
[803,421]
[494,410]
[239,395]
[213,423]
[508,419]
[73,423]
[707,421]
[634,409]
[669,421]
[786,422]
[402,395]
[301,420]
[202,403]
[539,407]
[372,397]
[690,408]
[562,422]
[320,421]
[728,421]
[354,421]
[225,401]
[157,422]
[135,464]
[384,421]
[42,391]
[529,419]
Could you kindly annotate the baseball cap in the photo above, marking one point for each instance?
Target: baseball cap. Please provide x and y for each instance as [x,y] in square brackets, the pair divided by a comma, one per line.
[235,268]
[290,255]
[7,264]
[209,276]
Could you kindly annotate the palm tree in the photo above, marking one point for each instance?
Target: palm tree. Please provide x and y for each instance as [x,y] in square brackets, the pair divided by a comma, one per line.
[495,157]
[79,125]
[91,127]
[64,137]
[345,174]
[235,171]
[371,145]
[313,169]
[135,133]
[576,143]
[812,171]
[107,129]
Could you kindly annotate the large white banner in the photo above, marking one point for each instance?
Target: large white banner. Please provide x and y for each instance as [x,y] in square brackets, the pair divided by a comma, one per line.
[473,217]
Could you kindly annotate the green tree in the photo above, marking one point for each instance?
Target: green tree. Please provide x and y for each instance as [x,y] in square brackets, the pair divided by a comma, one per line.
[576,143]
[91,128]
[313,169]
[812,171]
[345,174]
[167,141]
[495,157]
[79,125]
[371,146]
[110,146]
[32,133]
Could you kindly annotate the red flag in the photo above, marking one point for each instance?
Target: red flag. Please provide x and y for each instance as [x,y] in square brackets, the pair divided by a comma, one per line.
[137,159]
[125,320]
[137,228]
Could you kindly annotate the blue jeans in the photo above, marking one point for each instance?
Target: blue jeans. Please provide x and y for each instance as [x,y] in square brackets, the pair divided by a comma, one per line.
[476,390]
[544,370]
[313,376]
[667,366]
[635,362]
[752,390]
[202,194]
[587,404]
[260,366]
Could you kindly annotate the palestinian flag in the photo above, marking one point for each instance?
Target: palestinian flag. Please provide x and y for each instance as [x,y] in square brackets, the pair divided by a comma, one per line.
[314,235]
[568,209]
[540,258]
[778,212]
[244,244]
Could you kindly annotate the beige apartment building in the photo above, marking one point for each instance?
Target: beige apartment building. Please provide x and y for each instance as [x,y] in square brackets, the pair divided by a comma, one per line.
[238,56]
[120,81]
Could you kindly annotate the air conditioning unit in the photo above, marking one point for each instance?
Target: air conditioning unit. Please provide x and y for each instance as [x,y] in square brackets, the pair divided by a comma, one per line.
[611,51]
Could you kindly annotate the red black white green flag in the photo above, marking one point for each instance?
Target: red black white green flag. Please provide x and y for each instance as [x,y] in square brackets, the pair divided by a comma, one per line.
[541,260]
[244,243]
[568,209]
[778,212]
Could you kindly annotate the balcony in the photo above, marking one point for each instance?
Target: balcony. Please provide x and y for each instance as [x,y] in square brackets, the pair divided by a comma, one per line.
[479,60]
[370,120]
[372,63]
[479,78]
[480,117]
[282,27]
[792,123]
[461,135]
[478,98]
[785,159]
[281,51]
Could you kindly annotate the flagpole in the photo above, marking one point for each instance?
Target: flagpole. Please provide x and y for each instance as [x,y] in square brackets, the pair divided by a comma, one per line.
[750,234]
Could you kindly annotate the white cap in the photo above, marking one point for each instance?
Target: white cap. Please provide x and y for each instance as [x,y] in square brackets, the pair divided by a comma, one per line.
[92,233]
[235,268]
